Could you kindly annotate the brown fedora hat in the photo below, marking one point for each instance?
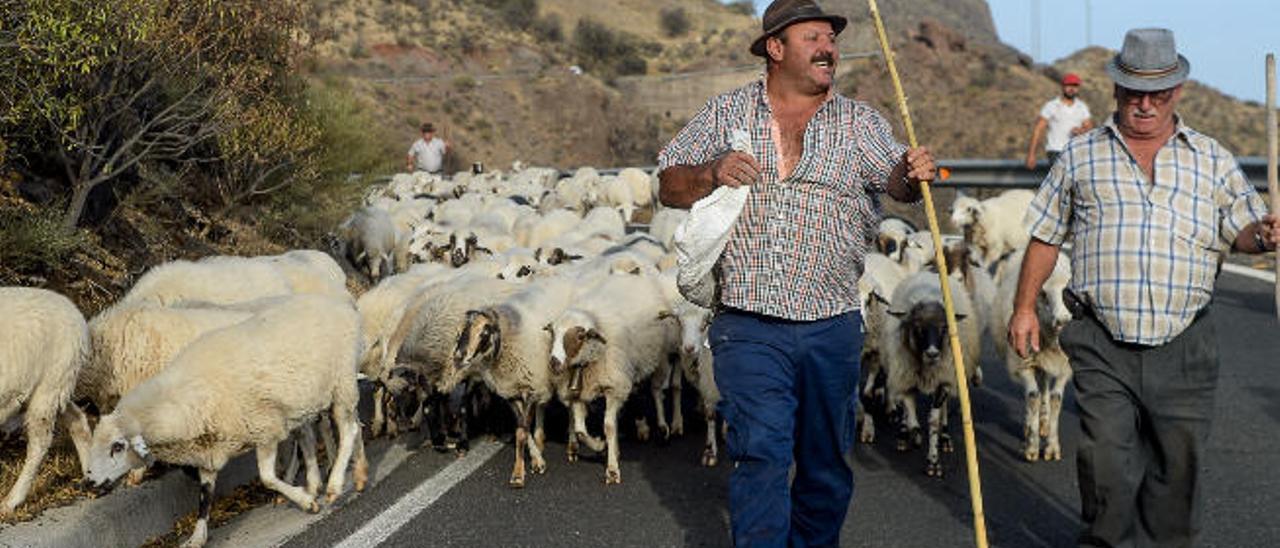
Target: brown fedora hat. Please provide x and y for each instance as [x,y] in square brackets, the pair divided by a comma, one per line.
[782,13]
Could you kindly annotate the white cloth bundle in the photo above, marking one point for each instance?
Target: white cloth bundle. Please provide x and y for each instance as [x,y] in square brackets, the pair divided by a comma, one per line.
[701,238]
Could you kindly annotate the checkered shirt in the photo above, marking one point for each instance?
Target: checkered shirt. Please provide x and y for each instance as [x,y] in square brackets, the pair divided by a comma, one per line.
[1147,254]
[797,249]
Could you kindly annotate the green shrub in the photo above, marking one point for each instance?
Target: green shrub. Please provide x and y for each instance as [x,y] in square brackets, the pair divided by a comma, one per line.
[743,7]
[608,52]
[548,28]
[35,240]
[675,22]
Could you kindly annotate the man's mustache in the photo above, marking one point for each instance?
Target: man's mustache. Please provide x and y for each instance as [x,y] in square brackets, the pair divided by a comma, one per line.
[830,59]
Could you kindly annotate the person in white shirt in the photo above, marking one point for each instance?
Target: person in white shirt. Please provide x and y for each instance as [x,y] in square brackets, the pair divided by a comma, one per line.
[427,153]
[1064,117]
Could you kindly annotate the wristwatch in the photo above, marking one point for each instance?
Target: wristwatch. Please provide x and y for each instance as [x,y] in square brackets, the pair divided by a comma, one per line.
[1258,241]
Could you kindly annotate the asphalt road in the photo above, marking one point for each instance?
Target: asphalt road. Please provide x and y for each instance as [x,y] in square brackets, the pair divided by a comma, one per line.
[668,499]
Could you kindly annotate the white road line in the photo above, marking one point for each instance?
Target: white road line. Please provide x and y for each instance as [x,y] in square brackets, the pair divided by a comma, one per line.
[1263,275]
[380,528]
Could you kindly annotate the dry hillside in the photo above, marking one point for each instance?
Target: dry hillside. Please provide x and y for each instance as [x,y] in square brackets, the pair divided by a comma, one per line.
[497,75]
[505,92]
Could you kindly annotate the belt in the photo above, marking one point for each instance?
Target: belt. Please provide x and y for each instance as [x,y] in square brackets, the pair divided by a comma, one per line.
[1082,307]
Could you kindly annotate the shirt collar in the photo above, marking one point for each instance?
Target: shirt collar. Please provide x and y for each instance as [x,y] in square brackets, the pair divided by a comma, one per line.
[1180,130]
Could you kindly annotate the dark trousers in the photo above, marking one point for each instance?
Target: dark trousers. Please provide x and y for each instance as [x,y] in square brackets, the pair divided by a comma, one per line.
[787,393]
[1145,414]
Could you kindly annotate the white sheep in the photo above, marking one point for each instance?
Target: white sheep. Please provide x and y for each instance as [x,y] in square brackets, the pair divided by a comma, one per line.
[892,235]
[507,346]
[429,328]
[550,226]
[993,226]
[613,339]
[917,252]
[602,221]
[616,192]
[641,189]
[133,342]
[664,223]
[305,271]
[696,366]
[47,343]
[370,240]
[918,359]
[215,282]
[880,277]
[245,386]
[1044,375]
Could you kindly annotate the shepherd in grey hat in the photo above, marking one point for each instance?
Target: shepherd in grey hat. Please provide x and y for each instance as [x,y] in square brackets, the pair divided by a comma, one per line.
[1143,353]
[1149,61]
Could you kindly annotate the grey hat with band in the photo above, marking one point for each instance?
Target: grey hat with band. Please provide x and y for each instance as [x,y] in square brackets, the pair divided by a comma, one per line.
[783,13]
[1149,61]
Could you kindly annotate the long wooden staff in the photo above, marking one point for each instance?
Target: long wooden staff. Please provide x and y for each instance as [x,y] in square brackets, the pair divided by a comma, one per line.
[1272,150]
[962,386]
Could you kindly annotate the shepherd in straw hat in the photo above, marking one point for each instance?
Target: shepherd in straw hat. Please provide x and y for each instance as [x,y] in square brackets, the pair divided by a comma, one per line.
[787,332]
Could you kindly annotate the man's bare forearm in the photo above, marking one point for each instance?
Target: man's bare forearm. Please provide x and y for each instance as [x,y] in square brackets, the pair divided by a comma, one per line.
[1037,265]
[681,186]
[901,188]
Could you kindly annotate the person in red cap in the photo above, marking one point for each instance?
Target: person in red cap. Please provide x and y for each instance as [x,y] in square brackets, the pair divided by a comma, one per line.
[1064,117]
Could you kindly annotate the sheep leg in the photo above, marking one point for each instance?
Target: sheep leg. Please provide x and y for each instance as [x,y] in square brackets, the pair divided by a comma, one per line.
[709,451]
[536,462]
[379,418]
[201,533]
[76,424]
[571,447]
[937,412]
[522,423]
[1053,446]
[267,473]
[326,437]
[659,402]
[539,433]
[360,468]
[580,428]
[612,405]
[1030,430]
[866,424]
[677,412]
[290,447]
[308,444]
[909,433]
[348,431]
[39,436]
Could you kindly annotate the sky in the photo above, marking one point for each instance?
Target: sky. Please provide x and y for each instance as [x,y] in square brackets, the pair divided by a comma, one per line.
[1225,40]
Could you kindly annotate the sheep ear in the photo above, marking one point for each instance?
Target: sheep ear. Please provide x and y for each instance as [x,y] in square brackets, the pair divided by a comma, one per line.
[593,334]
[537,255]
[140,448]
[665,315]
[484,249]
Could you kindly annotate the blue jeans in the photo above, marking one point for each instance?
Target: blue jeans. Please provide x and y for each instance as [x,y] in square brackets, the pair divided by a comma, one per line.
[787,394]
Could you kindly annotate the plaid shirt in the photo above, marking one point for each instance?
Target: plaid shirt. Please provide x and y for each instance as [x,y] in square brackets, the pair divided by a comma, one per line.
[797,249]
[1147,254]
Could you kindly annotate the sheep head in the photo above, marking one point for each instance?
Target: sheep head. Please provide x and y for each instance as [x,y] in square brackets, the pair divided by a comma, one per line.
[924,331]
[400,395]
[117,448]
[480,340]
[575,343]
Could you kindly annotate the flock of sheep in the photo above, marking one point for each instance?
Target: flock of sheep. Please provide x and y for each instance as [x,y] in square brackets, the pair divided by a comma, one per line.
[523,286]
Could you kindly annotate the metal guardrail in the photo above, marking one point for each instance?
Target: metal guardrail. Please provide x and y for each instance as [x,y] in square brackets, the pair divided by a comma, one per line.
[988,173]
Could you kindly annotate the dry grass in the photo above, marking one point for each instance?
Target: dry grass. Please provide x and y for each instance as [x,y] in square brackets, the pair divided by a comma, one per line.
[57,483]
[243,499]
